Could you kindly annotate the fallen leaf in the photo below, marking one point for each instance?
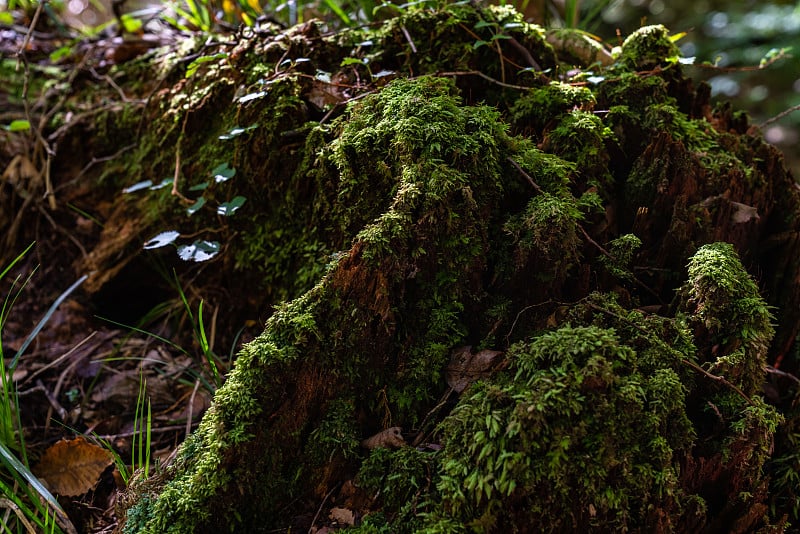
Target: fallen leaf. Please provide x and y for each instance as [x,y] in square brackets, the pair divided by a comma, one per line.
[343,516]
[466,367]
[391,438]
[72,467]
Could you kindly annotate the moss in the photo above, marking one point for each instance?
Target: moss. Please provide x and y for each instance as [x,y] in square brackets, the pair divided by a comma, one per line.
[582,139]
[404,481]
[730,319]
[649,47]
[408,226]
[542,105]
[622,251]
[575,441]
[546,233]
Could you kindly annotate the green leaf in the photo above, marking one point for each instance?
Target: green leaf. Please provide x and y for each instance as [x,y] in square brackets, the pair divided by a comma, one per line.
[161,240]
[223,172]
[58,53]
[200,250]
[202,186]
[193,66]
[199,203]
[479,44]
[131,24]
[351,61]
[18,125]
[138,186]
[229,208]
[482,24]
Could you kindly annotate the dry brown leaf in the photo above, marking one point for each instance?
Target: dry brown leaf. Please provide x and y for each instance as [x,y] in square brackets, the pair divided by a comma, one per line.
[466,367]
[391,438]
[72,467]
[342,516]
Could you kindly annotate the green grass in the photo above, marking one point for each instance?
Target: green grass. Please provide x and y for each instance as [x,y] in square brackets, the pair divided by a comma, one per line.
[35,508]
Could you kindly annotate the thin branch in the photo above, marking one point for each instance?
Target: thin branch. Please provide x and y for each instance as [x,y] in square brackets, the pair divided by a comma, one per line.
[779,116]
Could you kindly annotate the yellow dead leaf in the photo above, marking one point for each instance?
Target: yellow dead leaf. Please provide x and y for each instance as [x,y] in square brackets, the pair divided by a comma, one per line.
[72,467]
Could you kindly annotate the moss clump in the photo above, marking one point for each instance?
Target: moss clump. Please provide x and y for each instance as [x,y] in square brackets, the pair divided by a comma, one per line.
[730,319]
[543,105]
[649,47]
[581,438]
[404,481]
[546,235]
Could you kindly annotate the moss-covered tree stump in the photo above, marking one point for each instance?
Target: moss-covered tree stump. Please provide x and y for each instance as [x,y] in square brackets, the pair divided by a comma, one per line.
[628,250]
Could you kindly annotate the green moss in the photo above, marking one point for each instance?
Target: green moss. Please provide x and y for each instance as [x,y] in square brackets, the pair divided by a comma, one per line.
[404,481]
[577,440]
[336,435]
[405,228]
[649,47]
[582,139]
[731,320]
[542,105]
[546,233]
[622,250]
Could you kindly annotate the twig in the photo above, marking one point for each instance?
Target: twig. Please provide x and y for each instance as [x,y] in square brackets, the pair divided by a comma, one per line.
[519,314]
[54,404]
[60,359]
[61,230]
[525,174]
[524,53]
[421,435]
[485,77]
[11,505]
[771,370]
[190,414]
[159,430]
[319,511]
[779,116]
[717,378]
[27,40]
[94,161]
[409,39]
[176,176]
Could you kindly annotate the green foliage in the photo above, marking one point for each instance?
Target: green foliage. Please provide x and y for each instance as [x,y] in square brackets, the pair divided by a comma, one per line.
[31,500]
[649,47]
[404,479]
[734,321]
[622,250]
[577,439]
[541,105]
[336,435]
[418,190]
[547,232]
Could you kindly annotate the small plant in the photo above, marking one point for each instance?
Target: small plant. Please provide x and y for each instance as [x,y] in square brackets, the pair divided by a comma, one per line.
[200,249]
[34,506]
[142,423]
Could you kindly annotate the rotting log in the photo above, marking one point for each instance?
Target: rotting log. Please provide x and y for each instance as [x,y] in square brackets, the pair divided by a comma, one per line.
[443,194]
